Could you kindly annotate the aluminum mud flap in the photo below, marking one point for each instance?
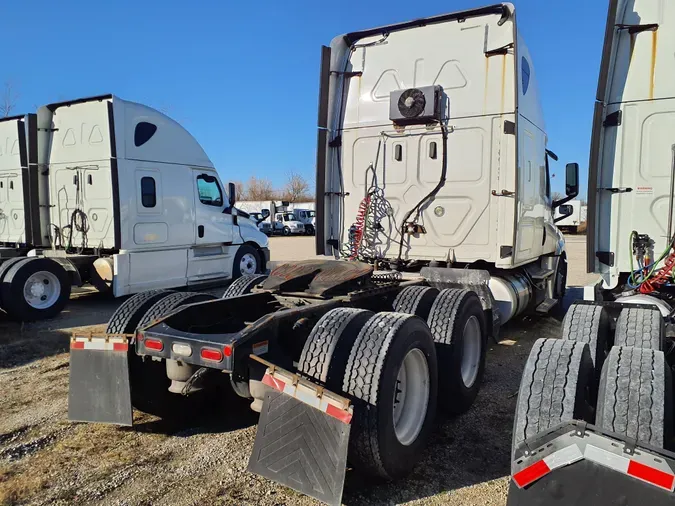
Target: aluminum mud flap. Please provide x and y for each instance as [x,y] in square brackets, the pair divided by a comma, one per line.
[577,464]
[99,389]
[302,437]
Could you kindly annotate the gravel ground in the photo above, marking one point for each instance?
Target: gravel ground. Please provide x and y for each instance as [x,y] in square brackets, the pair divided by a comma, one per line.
[44,459]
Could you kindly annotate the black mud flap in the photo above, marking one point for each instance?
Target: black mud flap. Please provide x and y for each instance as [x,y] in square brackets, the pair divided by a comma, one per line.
[301,447]
[99,389]
[588,483]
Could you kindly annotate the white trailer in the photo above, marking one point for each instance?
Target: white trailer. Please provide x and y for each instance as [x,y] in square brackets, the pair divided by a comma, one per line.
[114,193]
[568,216]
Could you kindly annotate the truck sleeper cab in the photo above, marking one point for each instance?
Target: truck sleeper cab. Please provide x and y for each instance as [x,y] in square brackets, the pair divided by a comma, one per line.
[129,202]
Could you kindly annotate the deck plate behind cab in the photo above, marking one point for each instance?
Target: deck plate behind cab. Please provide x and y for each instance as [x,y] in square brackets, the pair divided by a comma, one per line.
[317,277]
[301,447]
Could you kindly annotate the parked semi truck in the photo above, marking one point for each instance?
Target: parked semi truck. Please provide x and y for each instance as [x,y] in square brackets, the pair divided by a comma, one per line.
[434,211]
[568,216]
[594,420]
[113,193]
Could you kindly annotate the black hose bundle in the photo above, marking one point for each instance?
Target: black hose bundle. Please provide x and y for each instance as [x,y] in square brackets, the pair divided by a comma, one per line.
[431,195]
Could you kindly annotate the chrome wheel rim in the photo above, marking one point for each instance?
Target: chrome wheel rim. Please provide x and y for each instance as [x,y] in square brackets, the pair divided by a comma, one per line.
[411,397]
[248,264]
[472,343]
[41,290]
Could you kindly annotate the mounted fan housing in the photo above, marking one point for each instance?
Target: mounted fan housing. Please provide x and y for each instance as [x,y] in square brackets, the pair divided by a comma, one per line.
[416,105]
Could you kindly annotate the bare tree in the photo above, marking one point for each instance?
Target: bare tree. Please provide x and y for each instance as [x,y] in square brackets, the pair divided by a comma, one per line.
[8,100]
[557,196]
[259,189]
[241,190]
[296,189]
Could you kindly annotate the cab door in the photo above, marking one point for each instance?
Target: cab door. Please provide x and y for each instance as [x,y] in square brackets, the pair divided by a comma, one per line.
[211,256]
[214,225]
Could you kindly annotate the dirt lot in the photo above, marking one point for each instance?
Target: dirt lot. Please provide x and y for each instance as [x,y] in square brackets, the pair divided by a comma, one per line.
[44,459]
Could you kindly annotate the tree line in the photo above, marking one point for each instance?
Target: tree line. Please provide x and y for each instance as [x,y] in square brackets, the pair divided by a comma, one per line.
[295,189]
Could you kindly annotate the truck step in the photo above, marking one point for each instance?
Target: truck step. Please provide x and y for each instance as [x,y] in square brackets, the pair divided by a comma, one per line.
[547,305]
[541,274]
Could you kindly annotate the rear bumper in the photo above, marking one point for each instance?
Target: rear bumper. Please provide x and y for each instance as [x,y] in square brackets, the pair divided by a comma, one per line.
[576,463]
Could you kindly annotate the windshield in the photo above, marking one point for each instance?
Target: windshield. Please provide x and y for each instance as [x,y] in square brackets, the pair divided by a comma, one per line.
[290,217]
[311,214]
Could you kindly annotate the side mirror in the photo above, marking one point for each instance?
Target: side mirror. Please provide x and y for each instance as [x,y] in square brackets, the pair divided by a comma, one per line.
[572,179]
[571,184]
[265,213]
[232,194]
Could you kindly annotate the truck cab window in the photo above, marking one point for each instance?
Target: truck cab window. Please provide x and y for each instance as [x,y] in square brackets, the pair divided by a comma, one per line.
[148,192]
[143,133]
[209,191]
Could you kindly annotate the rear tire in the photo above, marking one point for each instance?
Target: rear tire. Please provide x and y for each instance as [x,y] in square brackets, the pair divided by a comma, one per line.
[5,266]
[635,398]
[391,375]
[149,382]
[35,289]
[416,300]
[640,328]
[127,317]
[167,304]
[590,325]
[243,285]
[555,388]
[326,352]
[457,324]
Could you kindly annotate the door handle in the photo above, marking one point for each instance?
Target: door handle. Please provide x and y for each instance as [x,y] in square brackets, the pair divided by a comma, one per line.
[200,231]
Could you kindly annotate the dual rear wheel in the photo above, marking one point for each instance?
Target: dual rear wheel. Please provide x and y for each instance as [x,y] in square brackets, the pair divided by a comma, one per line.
[624,388]
[397,367]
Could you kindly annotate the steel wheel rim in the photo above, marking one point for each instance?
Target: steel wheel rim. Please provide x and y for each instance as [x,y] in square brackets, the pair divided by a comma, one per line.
[411,397]
[41,290]
[472,343]
[248,264]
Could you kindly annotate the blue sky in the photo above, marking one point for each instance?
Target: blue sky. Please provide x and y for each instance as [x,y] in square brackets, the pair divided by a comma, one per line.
[243,76]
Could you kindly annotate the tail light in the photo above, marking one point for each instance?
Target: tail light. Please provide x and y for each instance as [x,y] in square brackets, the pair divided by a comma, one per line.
[154,344]
[211,354]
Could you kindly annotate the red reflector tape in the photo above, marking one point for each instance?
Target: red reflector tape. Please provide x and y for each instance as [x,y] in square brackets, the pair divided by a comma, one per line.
[271,381]
[99,344]
[120,347]
[340,414]
[651,475]
[531,474]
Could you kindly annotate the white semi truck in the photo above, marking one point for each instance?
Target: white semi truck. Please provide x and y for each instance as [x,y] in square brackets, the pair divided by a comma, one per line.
[434,209]
[105,191]
[594,421]
[568,216]
[278,217]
